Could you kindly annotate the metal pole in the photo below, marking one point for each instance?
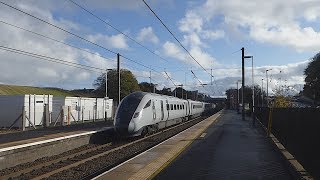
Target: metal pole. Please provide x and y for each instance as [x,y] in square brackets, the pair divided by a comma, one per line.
[185,82]
[238,96]
[267,88]
[252,89]
[150,81]
[118,68]
[181,91]
[107,84]
[242,90]
[211,76]
[262,92]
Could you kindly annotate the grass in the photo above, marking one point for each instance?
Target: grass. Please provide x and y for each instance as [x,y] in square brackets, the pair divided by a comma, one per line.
[18,90]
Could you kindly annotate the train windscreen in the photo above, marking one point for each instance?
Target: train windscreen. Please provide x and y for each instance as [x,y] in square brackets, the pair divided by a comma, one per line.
[128,106]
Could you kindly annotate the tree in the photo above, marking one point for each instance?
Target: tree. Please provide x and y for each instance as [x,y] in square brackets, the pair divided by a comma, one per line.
[312,86]
[146,87]
[128,84]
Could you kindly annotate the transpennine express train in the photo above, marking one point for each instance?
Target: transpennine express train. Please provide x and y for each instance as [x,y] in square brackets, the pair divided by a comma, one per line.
[141,112]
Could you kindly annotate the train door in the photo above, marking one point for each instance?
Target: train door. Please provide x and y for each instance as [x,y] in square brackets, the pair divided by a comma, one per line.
[162,111]
[154,112]
[185,106]
[168,108]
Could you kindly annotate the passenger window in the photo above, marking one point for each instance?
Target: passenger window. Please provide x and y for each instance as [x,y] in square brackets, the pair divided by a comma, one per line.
[178,106]
[171,106]
[147,105]
[175,107]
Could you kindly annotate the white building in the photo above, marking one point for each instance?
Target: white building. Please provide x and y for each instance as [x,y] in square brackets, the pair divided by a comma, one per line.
[12,106]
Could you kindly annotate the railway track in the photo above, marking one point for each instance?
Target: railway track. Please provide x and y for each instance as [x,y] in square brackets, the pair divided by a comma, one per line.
[91,160]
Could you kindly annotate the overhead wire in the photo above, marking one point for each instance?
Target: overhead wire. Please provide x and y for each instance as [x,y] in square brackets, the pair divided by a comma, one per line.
[73,34]
[166,27]
[55,40]
[116,29]
[52,59]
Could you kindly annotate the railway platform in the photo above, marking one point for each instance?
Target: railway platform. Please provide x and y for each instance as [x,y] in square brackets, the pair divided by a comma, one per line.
[219,147]
[25,146]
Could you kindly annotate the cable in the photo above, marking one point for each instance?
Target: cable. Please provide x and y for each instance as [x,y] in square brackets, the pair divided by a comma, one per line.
[47,37]
[173,35]
[51,59]
[197,78]
[75,35]
[110,25]
[60,28]
[176,38]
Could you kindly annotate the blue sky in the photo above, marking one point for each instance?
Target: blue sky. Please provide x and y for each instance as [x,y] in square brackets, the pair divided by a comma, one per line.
[281,35]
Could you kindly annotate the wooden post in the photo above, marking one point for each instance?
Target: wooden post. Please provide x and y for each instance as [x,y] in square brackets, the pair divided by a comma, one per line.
[68,116]
[62,115]
[46,117]
[23,119]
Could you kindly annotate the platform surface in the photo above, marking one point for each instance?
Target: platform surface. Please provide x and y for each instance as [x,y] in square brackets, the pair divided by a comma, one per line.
[228,149]
[17,139]
[149,163]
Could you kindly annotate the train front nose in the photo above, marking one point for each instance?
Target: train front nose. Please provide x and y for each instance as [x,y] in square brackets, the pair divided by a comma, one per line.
[124,128]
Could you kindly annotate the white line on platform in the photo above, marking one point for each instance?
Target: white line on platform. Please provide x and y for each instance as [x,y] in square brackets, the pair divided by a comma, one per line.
[203,135]
[50,140]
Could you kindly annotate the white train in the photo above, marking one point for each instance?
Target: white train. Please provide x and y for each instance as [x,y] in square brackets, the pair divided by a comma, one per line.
[141,112]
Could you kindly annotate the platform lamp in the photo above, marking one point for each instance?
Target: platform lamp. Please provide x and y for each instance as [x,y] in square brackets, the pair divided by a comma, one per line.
[267,86]
[238,95]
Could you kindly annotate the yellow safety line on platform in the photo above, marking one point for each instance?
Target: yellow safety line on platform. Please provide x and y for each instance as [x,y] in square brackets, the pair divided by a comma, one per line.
[182,149]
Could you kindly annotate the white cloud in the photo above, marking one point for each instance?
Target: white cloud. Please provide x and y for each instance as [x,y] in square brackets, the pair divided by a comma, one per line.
[273,21]
[24,70]
[146,34]
[118,41]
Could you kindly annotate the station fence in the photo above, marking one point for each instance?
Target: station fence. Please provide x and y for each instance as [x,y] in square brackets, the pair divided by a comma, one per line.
[298,129]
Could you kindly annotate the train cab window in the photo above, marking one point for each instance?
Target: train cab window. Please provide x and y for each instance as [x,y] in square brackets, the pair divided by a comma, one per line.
[168,107]
[147,105]
[175,107]
[180,106]
[171,106]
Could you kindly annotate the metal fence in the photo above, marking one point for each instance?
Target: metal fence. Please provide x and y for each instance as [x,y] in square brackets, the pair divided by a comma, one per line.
[298,129]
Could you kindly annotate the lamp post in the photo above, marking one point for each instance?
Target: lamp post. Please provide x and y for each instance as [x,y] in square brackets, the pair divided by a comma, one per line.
[280,84]
[252,84]
[262,92]
[238,96]
[267,86]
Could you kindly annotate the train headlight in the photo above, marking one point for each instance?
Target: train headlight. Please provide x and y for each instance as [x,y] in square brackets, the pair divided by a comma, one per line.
[136,114]
[131,127]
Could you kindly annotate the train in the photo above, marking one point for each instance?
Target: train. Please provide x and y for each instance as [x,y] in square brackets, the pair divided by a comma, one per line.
[140,112]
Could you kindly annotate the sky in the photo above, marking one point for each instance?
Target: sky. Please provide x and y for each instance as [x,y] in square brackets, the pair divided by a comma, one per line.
[282,35]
